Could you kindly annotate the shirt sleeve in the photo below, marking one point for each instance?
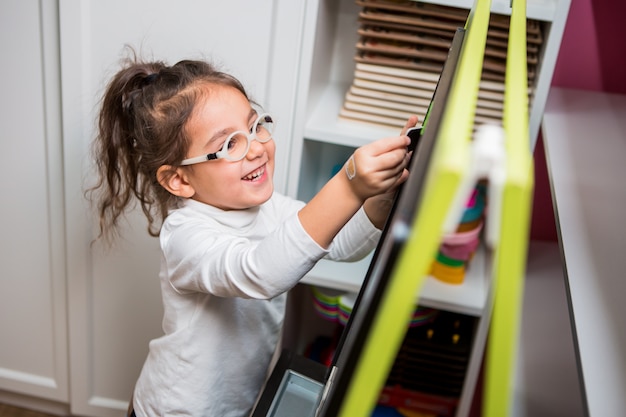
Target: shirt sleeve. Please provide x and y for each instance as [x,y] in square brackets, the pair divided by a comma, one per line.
[202,255]
[355,240]
[199,258]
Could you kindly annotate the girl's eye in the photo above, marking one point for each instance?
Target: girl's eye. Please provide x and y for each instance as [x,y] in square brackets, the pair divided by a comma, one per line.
[232,143]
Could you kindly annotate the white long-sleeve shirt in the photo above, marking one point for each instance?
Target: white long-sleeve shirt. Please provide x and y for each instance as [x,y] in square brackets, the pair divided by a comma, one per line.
[224,277]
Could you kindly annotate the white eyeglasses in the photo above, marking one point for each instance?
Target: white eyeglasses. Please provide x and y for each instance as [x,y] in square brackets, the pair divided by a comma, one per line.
[237,144]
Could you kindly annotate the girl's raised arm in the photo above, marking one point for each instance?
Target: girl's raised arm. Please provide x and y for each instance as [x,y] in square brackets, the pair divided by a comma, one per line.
[373,169]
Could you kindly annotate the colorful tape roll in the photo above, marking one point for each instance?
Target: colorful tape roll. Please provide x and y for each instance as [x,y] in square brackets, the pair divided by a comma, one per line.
[326,303]
[337,306]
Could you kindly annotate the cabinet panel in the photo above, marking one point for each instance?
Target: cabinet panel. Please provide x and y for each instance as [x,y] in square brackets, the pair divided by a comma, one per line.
[33,352]
[115,303]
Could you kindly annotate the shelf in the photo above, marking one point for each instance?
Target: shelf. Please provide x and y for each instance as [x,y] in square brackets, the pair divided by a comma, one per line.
[536,9]
[324,124]
[467,298]
[343,276]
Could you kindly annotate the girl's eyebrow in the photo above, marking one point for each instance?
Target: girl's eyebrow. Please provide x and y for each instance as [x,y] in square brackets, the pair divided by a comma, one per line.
[217,135]
[226,131]
[252,115]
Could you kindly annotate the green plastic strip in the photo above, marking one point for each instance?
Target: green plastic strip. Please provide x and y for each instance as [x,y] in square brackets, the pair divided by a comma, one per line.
[449,163]
[511,252]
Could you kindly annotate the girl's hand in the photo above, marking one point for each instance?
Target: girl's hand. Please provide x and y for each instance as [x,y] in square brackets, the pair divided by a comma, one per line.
[373,169]
[379,167]
[379,206]
[376,167]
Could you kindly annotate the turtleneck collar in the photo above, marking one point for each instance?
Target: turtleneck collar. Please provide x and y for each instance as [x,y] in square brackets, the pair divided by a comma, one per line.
[231,218]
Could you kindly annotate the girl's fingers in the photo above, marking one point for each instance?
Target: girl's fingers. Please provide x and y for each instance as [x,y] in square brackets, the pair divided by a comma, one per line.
[379,166]
[411,122]
[383,146]
[394,159]
[388,169]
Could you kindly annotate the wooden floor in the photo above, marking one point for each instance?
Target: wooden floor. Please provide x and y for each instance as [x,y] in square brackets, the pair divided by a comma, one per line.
[10,411]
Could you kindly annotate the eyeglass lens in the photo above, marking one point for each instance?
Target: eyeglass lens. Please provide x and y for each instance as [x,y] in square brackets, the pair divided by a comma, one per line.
[238,145]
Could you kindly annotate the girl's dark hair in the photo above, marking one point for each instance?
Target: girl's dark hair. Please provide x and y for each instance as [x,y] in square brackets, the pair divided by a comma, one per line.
[141,126]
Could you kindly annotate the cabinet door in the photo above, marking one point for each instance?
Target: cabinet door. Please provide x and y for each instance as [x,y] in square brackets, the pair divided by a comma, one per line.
[114,298]
[33,347]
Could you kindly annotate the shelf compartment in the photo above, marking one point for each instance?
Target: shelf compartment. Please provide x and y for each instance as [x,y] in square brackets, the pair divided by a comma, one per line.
[536,9]
[333,67]
[328,140]
[322,161]
[324,124]
[470,297]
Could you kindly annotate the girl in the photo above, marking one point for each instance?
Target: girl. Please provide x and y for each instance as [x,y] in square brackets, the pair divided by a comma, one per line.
[190,145]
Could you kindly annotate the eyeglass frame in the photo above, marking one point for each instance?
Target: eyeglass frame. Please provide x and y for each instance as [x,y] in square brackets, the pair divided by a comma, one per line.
[223,153]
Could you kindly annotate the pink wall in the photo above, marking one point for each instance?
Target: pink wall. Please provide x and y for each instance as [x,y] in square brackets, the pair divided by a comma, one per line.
[578,64]
[593,51]
[592,57]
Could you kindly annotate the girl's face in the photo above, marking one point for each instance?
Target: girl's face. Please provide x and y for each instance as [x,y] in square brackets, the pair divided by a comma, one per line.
[222,183]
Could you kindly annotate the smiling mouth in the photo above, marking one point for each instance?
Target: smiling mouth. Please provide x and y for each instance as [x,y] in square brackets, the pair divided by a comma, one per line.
[255,175]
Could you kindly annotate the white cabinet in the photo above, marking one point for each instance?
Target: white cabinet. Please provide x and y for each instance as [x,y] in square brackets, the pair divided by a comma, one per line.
[33,329]
[114,301]
[323,141]
[76,318]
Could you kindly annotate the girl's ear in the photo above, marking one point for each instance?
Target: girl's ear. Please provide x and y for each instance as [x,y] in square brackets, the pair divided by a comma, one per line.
[175,181]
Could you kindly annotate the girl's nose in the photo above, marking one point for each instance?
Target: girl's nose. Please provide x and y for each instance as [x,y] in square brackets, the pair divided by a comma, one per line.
[256,149]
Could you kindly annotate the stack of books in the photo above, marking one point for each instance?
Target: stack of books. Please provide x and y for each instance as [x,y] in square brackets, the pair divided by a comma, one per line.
[400,54]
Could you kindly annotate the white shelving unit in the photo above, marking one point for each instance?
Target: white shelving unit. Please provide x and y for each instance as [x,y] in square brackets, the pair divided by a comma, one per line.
[327,69]
[326,72]
[469,297]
